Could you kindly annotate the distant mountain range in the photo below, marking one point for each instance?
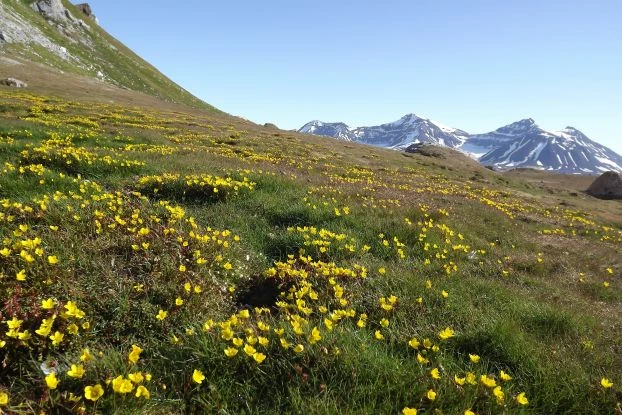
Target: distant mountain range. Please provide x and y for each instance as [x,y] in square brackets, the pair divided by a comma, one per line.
[520,144]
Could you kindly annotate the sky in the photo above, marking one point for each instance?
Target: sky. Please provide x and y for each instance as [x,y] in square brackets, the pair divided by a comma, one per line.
[475,65]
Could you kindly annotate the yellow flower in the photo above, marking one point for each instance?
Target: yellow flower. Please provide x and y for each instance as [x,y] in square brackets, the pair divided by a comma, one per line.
[142,392]
[57,338]
[182,268]
[446,333]
[458,380]
[431,395]
[488,382]
[4,398]
[474,358]
[263,341]
[197,376]
[471,379]
[315,336]
[259,357]
[48,304]
[299,348]
[73,310]
[469,412]
[51,381]
[53,259]
[121,385]
[504,376]
[134,354]
[378,335]
[94,392]
[76,371]
[136,377]
[499,395]
[179,301]
[422,359]
[414,343]
[384,323]
[249,350]
[522,399]
[73,329]
[21,276]
[606,383]
[162,315]
[329,324]
[445,294]
[409,411]
[435,374]
[86,355]
[231,351]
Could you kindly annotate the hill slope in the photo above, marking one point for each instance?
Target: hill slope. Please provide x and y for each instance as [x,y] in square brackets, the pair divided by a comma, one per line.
[160,259]
[55,35]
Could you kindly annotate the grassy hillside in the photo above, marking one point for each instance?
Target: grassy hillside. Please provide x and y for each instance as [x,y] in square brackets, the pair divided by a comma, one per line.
[167,261]
[90,51]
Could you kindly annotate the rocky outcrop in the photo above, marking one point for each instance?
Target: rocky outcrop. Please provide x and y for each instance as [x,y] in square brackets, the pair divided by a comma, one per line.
[12,82]
[607,186]
[52,9]
[85,8]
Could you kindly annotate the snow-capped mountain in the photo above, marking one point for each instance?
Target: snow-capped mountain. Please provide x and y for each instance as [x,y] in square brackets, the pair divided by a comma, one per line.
[396,135]
[524,144]
[520,144]
[337,130]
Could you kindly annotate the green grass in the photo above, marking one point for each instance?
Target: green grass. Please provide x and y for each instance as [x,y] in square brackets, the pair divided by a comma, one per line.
[128,252]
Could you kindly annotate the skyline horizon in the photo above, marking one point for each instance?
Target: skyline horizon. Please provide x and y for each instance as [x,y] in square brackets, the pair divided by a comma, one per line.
[289,64]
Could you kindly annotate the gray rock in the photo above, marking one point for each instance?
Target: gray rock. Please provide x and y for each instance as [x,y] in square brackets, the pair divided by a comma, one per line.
[2,37]
[607,186]
[52,9]
[86,9]
[12,82]
[271,125]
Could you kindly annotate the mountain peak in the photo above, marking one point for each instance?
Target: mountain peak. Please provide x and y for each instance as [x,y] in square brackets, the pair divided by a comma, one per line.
[519,144]
[517,127]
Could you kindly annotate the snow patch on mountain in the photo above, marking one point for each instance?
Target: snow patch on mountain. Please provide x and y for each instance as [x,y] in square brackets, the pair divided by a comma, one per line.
[519,144]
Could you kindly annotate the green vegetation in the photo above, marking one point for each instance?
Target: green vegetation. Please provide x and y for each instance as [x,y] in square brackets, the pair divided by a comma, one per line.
[165,262]
[93,50]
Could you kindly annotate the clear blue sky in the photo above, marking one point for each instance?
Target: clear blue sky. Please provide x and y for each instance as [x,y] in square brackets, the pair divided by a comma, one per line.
[475,65]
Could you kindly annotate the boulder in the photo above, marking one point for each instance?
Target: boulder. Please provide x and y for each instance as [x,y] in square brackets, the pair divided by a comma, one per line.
[85,8]
[607,186]
[271,125]
[15,83]
[425,149]
[52,9]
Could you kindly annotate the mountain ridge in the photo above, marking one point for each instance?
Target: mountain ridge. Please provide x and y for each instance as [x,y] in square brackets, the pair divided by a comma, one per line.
[519,144]
[60,37]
